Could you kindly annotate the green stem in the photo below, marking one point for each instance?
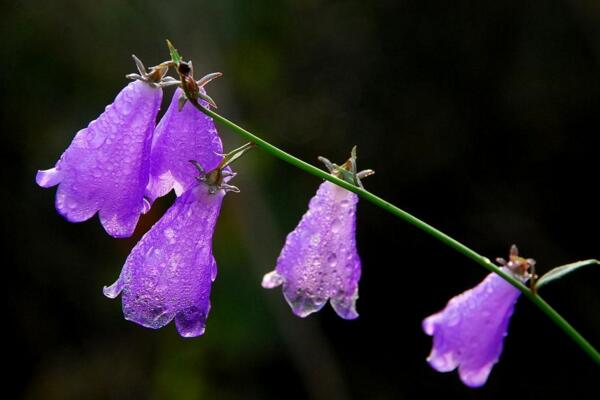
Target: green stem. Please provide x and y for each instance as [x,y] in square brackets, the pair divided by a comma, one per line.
[456,245]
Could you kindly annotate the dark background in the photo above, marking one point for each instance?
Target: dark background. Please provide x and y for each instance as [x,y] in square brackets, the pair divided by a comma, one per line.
[482,117]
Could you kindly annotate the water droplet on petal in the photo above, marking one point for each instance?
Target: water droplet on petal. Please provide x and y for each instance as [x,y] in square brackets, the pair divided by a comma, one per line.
[71,203]
[332,260]
[335,226]
[452,318]
[190,322]
[314,239]
[145,206]
[170,235]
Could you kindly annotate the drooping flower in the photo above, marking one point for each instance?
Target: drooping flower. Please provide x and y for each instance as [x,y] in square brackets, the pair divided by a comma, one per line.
[470,331]
[169,273]
[181,135]
[105,169]
[319,260]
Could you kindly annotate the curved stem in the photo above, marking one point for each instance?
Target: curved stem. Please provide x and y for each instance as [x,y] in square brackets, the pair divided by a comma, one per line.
[439,235]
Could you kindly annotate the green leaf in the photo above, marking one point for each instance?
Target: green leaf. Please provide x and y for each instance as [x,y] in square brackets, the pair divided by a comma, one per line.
[559,272]
[175,57]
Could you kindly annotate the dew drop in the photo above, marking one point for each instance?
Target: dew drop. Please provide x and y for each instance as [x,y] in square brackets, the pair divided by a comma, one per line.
[335,226]
[305,304]
[452,319]
[314,239]
[127,109]
[157,311]
[332,260]
[190,322]
[95,139]
[170,235]
[145,206]
[71,203]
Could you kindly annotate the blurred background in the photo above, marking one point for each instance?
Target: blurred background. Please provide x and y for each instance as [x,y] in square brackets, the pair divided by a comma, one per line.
[480,117]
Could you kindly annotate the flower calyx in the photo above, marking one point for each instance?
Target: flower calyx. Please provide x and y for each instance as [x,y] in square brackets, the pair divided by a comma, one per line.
[156,77]
[347,171]
[191,87]
[521,268]
[218,178]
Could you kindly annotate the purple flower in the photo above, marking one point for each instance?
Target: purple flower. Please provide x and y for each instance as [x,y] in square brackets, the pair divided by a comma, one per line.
[319,260]
[179,137]
[169,273]
[105,169]
[470,331]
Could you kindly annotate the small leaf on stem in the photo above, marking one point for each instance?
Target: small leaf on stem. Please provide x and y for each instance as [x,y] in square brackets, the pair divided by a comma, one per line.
[559,272]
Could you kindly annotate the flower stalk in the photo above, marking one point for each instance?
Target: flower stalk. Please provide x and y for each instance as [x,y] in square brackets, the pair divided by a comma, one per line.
[550,312]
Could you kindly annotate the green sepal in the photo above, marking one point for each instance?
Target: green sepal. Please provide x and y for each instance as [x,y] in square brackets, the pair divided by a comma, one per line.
[175,57]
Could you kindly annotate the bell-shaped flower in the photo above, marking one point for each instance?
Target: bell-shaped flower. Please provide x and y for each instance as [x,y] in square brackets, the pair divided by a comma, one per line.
[470,331]
[169,273]
[184,133]
[181,135]
[319,260]
[105,169]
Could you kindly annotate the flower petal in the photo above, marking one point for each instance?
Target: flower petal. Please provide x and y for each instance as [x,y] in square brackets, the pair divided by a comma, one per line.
[48,178]
[106,166]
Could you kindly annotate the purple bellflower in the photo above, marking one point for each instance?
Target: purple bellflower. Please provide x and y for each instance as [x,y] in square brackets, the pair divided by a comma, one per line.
[169,273]
[319,260]
[182,134]
[470,331]
[105,169]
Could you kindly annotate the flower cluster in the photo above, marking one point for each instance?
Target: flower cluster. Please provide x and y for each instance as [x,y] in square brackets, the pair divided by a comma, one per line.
[122,162]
